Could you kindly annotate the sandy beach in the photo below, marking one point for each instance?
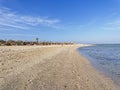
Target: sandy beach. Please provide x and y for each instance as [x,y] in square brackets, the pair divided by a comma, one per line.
[54,67]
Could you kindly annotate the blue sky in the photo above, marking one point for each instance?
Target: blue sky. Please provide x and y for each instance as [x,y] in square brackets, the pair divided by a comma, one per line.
[84,21]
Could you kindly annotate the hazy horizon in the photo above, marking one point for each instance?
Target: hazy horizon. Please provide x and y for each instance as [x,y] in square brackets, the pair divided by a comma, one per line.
[81,21]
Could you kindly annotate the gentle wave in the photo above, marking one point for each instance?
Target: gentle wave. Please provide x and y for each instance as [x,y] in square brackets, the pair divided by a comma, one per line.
[106,58]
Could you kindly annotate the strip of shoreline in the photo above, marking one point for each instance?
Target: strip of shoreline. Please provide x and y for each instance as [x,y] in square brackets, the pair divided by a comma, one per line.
[57,67]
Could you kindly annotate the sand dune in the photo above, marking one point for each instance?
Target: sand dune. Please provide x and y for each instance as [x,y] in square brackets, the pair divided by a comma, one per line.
[49,68]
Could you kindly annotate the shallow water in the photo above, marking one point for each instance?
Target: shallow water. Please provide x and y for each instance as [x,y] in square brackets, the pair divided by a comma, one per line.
[106,58]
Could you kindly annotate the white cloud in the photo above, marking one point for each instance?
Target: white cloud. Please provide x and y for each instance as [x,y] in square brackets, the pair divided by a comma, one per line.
[116,22]
[4,25]
[111,22]
[73,26]
[111,28]
[14,20]
[112,25]
[21,35]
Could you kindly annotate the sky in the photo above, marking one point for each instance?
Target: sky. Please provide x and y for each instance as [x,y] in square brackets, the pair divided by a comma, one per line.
[81,21]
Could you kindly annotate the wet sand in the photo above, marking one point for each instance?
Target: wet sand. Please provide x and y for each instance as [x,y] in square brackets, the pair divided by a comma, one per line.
[49,68]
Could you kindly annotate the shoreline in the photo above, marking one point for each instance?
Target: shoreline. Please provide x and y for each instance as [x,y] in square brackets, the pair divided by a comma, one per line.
[101,73]
[100,70]
[54,67]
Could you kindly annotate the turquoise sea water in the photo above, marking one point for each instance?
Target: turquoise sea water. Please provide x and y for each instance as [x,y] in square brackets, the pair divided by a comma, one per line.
[105,58]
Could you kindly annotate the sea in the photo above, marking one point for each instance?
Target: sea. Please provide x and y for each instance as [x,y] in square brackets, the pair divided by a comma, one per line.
[105,58]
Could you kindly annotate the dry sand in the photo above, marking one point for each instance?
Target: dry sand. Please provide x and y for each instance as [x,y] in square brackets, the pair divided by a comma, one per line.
[48,68]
